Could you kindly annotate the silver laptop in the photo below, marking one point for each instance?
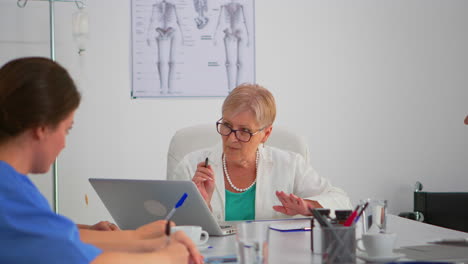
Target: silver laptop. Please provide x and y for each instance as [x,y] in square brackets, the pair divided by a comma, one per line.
[133,203]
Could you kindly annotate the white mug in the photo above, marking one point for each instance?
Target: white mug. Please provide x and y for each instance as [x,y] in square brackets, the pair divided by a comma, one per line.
[196,234]
[377,244]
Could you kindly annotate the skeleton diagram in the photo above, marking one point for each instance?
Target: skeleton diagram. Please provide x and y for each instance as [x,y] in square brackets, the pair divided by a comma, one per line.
[201,6]
[231,22]
[165,30]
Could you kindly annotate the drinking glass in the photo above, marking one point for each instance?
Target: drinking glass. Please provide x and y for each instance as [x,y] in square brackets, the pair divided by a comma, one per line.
[374,217]
[252,242]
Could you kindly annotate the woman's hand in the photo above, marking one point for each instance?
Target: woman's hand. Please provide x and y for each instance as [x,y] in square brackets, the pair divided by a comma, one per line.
[182,238]
[204,179]
[151,230]
[178,249]
[293,205]
[101,226]
[179,245]
[104,226]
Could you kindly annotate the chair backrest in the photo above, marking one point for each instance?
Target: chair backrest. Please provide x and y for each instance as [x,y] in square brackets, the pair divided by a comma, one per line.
[446,209]
[201,136]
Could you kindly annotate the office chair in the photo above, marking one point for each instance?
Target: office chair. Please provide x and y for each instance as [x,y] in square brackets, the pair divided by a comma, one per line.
[201,136]
[445,209]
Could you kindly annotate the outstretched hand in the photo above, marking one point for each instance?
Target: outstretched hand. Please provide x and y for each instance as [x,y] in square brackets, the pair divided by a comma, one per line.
[293,205]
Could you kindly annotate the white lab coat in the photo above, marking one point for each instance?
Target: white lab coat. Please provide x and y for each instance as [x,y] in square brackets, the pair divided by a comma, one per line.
[278,170]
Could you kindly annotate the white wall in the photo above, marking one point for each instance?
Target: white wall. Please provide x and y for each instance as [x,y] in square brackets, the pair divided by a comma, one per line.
[379,89]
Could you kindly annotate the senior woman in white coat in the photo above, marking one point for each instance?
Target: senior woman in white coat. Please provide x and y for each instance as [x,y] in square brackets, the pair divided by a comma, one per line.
[247,180]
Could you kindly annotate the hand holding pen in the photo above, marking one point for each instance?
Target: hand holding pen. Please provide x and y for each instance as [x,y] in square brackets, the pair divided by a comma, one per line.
[168,217]
[204,179]
[181,236]
[152,230]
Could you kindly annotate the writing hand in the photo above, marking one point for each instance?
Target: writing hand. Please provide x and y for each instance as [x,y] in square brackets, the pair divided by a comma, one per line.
[152,230]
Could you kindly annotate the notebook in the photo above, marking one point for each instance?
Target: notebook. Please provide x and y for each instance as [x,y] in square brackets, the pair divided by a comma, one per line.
[133,203]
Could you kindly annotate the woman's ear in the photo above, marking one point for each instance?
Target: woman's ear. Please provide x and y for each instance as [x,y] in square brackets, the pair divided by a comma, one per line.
[39,133]
[267,131]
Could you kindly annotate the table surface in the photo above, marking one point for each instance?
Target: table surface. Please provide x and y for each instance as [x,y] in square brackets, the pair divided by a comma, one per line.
[294,247]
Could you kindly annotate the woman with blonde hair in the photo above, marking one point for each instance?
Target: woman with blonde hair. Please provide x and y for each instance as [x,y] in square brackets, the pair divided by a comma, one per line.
[247,180]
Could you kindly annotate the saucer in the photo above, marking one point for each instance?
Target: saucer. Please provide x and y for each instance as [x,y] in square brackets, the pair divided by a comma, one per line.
[392,257]
[203,246]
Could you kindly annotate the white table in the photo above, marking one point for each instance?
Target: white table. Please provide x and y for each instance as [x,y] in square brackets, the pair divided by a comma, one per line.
[294,247]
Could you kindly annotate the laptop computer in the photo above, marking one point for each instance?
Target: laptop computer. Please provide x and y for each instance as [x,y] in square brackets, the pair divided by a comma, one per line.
[133,203]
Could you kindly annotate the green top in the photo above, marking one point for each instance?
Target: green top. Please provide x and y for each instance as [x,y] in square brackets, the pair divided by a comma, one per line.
[240,206]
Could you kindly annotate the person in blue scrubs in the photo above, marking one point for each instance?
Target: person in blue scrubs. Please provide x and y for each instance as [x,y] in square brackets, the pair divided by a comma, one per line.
[38,100]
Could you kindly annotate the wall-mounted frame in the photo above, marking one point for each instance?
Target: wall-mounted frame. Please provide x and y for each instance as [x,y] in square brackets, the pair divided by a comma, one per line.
[191,47]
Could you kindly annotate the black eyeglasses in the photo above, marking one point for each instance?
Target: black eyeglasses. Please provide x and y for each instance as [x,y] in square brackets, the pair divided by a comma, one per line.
[241,135]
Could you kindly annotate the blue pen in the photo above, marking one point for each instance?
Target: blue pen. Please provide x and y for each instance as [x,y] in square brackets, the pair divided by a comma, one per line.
[178,204]
[170,214]
[360,212]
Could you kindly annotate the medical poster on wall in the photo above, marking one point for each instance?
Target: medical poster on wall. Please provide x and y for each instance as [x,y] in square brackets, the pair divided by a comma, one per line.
[191,47]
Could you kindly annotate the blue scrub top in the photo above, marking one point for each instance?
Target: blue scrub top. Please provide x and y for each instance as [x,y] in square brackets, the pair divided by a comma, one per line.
[30,232]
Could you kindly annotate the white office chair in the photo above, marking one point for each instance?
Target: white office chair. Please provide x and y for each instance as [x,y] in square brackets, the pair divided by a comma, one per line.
[197,137]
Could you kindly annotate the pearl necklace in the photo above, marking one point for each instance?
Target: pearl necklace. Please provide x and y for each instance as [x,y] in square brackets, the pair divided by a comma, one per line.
[229,178]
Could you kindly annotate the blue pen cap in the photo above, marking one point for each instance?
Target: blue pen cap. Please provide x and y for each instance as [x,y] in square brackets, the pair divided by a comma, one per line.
[181,200]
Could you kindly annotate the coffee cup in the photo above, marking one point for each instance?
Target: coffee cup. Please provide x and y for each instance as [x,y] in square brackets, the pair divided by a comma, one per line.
[377,244]
[195,233]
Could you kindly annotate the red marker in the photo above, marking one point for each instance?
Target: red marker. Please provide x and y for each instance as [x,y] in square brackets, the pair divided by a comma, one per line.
[353,215]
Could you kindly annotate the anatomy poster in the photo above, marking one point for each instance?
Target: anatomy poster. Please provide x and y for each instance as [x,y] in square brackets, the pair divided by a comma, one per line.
[191,47]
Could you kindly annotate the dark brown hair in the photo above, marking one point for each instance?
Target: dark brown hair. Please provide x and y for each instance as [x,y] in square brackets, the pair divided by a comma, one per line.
[34,91]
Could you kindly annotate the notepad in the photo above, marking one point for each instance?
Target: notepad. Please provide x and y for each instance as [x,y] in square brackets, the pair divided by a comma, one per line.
[435,252]
[291,226]
[451,241]
[221,259]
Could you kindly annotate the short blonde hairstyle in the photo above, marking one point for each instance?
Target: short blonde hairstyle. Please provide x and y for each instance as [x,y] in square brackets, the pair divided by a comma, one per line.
[252,97]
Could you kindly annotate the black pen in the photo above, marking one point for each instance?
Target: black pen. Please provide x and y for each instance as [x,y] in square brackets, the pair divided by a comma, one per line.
[168,231]
[206,162]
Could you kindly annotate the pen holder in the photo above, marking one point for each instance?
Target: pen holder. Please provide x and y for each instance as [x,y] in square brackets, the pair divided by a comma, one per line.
[339,244]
